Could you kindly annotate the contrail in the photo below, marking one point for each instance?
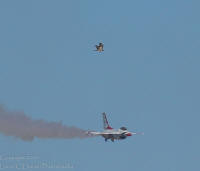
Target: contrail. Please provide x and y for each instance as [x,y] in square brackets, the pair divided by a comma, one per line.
[19,125]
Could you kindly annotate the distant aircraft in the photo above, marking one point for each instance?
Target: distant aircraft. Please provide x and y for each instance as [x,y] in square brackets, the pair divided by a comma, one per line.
[110,133]
[99,47]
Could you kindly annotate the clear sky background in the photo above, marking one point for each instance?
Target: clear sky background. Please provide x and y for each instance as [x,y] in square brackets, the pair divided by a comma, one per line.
[147,79]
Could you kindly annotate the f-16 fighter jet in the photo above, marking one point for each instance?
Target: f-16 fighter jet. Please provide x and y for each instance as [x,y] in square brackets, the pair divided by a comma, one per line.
[99,47]
[110,133]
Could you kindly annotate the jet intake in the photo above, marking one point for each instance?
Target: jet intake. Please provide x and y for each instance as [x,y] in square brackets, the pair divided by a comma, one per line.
[122,136]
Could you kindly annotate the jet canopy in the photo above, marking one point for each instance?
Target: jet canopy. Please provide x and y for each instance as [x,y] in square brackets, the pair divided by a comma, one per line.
[123,128]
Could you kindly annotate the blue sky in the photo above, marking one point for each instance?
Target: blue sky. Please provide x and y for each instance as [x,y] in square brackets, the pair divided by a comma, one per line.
[147,79]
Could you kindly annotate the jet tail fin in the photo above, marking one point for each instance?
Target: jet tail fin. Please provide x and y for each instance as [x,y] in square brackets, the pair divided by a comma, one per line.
[105,122]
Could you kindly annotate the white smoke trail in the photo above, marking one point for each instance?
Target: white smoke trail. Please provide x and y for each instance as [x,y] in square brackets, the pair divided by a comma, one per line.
[19,125]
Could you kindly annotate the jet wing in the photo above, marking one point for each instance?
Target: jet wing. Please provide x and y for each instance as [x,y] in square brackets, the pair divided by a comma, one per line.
[91,133]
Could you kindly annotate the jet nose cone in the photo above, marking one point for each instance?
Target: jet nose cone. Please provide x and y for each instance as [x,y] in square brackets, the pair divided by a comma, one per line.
[128,134]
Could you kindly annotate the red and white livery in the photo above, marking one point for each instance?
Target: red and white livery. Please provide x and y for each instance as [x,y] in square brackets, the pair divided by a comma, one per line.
[110,133]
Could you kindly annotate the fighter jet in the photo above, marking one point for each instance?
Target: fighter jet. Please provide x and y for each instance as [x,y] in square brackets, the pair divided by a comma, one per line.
[110,133]
[99,47]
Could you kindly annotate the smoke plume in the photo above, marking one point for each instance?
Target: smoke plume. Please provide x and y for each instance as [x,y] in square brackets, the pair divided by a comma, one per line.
[19,125]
